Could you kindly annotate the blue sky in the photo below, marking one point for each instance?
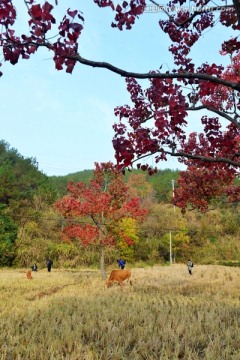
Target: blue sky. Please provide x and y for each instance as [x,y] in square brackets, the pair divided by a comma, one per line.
[65,121]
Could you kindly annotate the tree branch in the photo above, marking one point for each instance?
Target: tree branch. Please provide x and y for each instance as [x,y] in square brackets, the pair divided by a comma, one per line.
[152,75]
[195,157]
[127,74]
[204,158]
[216,111]
[202,107]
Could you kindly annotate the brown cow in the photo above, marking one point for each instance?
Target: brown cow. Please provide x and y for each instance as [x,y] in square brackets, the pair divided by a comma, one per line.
[119,276]
[29,275]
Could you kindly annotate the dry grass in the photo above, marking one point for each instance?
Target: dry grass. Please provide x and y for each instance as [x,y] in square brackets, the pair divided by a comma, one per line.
[166,315]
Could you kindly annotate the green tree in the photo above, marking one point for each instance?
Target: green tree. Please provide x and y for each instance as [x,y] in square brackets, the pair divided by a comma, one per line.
[25,192]
[8,235]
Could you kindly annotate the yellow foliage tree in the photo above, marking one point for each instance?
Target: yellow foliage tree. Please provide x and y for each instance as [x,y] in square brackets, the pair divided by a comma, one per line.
[127,237]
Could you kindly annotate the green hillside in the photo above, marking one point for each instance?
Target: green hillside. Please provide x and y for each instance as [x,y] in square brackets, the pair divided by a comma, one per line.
[60,182]
[161,181]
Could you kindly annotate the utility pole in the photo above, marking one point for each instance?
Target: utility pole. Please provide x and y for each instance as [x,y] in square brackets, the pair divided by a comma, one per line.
[170,247]
[173,193]
[170,232]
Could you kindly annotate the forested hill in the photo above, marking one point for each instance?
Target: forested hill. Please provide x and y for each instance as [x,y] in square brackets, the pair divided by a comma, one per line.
[161,182]
[24,191]
[60,182]
[20,179]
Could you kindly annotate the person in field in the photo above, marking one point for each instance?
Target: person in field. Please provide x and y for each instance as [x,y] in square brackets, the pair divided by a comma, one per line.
[121,263]
[190,266]
[34,267]
[49,265]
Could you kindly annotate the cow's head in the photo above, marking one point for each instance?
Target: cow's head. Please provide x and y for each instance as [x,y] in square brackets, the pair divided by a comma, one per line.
[109,283]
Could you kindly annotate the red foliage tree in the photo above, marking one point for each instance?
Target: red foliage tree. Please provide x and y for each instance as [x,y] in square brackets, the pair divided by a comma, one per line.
[200,187]
[93,212]
[156,123]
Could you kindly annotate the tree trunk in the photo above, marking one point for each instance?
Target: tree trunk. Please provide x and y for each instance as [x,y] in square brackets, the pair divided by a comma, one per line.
[103,272]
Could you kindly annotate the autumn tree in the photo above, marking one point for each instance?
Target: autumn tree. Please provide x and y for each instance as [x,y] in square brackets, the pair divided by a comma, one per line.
[101,213]
[205,188]
[156,121]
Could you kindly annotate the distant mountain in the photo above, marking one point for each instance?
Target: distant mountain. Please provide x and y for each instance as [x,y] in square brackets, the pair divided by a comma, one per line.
[60,182]
[162,181]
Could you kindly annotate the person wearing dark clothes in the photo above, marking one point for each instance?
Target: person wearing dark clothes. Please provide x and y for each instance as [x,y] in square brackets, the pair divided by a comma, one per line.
[121,263]
[34,267]
[49,265]
[190,266]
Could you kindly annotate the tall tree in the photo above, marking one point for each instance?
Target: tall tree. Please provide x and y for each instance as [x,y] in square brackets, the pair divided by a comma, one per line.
[156,123]
[96,213]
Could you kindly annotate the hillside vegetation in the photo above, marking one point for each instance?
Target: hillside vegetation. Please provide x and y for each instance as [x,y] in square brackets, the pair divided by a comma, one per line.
[31,229]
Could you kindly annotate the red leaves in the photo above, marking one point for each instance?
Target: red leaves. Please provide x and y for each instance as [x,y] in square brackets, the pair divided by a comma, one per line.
[36,11]
[86,233]
[66,47]
[230,46]
[69,29]
[205,183]
[3,14]
[104,3]
[228,17]
[163,102]
[198,187]
[41,19]
[126,11]
[204,22]
[93,212]
[126,17]
[7,13]
[72,13]
[132,209]
[70,65]
[233,193]
[40,23]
